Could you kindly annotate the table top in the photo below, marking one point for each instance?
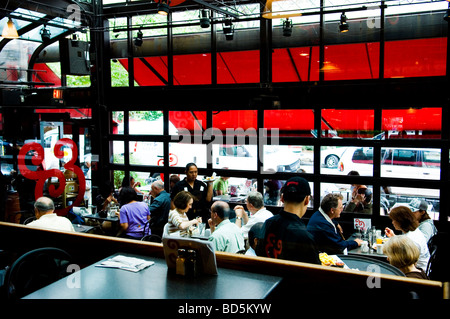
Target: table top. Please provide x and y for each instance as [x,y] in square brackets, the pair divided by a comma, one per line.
[96,216]
[157,282]
[369,264]
[82,228]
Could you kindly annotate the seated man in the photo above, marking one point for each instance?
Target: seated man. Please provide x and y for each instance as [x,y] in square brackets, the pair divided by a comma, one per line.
[46,218]
[327,232]
[284,236]
[225,235]
[258,213]
[159,208]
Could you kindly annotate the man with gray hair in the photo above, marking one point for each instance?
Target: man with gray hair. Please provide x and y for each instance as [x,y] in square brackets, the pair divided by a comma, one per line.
[326,231]
[258,213]
[46,218]
[159,208]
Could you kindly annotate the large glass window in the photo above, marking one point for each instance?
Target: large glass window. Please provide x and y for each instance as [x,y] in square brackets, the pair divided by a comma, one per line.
[288,123]
[348,123]
[412,123]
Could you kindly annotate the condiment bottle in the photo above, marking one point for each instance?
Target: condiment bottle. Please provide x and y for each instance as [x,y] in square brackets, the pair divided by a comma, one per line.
[181,262]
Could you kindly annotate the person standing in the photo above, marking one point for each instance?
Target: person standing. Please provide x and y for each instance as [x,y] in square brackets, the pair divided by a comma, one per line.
[200,191]
[284,236]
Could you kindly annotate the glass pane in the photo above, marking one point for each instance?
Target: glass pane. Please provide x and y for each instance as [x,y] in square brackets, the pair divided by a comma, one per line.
[146,153]
[142,182]
[295,64]
[356,198]
[184,122]
[117,122]
[119,72]
[118,152]
[151,71]
[288,158]
[412,163]
[286,121]
[118,178]
[242,122]
[414,58]
[184,153]
[352,61]
[192,69]
[146,122]
[405,196]
[237,186]
[231,156]
[348,123]
[357,159]
[238,67]
[329,158]
[272,188]
[412,123]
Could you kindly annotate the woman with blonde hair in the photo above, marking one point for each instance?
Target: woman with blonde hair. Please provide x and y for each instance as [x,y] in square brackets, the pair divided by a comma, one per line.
[404,221]
[403,253]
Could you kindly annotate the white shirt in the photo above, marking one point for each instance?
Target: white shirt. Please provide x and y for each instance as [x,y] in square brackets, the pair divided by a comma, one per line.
[52,221]
[419,239]
[259,217]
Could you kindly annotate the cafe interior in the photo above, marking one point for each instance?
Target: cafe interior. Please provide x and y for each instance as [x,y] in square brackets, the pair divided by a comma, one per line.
[95,91]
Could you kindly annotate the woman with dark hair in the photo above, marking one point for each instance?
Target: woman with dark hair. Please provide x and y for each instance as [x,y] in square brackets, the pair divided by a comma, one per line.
[403,220]
[178,221]
[133,215]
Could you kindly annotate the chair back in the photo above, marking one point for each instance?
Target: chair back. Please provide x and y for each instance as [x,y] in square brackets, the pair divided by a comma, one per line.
[152,238]
[439,247]
[34,270]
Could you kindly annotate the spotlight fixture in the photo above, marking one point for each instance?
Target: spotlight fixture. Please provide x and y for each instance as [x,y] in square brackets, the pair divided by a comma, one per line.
[205,21]
[447,15]
[45,34]
[138,40]
[287,27]
[228,29]
[343,26]
[10,31]
[163,7]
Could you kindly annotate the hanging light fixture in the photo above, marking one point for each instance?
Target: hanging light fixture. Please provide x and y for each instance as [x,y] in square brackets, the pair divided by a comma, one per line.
[287,27]
[276,9]
[45,34]
[205,21]
[10,31]
[343,26]
[163,7]
[228,29]
[138,40]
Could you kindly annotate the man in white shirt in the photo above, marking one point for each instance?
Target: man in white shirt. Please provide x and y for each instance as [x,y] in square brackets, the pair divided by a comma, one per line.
[46,218]
[258,213]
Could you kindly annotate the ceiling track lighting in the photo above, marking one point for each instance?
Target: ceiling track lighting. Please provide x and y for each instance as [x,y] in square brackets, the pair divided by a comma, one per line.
[10,31]
[45,34]
[287,27]
[343,25]
[228,29]
[163,7]
[138,40]
[205,20]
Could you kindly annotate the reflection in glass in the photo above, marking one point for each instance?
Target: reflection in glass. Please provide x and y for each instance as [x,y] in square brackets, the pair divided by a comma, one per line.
[117,122]
[228,156]
[356,198]
[181,154]
[118,152]
[411,163]
[348,123]
[288,158]
[411,197]
[359,159]
[146,122]
[146,153]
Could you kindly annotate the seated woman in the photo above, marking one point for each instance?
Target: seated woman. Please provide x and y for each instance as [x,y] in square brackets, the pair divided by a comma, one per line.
[133,215]
[403,220]
[403,253]
[178,221]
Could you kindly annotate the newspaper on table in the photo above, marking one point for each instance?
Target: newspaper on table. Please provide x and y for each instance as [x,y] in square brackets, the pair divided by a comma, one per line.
[126,263]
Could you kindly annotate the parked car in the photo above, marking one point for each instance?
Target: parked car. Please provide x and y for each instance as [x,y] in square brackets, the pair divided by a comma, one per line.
[330,156]
[418,163]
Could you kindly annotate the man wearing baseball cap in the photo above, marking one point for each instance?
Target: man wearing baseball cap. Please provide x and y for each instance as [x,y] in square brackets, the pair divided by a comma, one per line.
[284,236]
